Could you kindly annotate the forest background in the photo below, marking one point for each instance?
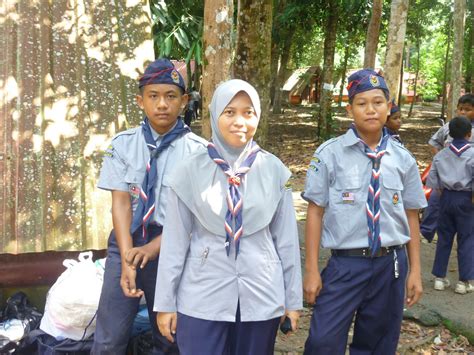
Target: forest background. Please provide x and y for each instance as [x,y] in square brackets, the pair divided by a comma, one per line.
[69,69]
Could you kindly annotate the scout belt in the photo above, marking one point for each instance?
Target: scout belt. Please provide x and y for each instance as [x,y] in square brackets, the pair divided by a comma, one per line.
[365,252]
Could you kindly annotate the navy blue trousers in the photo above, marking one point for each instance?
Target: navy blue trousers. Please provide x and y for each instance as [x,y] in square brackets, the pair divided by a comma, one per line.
[429,223]
[456,217]
[116,311]
[204,337]
[368,289]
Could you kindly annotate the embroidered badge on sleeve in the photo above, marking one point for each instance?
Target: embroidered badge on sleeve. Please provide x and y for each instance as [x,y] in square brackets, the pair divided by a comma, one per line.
[314,163]
[109,152]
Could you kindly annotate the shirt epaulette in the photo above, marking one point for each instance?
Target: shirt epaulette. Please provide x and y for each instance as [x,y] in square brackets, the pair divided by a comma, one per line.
[325,144]
[197,138]
[127,132]
[399,145]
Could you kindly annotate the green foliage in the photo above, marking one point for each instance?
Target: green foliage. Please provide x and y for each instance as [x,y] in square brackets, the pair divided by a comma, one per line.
[427,25]
[177,29]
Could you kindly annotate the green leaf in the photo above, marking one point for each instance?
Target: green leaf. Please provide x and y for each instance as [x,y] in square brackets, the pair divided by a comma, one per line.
[198,53]
[183,41]
[190,52]
[167,47]
[185,37]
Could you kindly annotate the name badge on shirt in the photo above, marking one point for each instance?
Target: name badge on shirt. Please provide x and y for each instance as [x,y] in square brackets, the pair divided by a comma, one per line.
[348,197]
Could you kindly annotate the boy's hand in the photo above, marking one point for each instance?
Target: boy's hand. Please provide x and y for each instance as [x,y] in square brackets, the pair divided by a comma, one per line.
[141,255]
[312,285]
[166,322]
[414,288]
[294,316]
[127,282]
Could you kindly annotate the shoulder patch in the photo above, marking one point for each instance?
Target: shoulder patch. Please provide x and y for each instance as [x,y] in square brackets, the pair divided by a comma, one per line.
[315,162]
[109,152]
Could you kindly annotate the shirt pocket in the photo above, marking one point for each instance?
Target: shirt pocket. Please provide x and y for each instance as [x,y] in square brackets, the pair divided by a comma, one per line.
[167,179]
[391,194]
[347,191]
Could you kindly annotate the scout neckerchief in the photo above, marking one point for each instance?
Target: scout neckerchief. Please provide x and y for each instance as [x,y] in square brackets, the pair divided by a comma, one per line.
[146,203]
[459,146]
[394,135]
[373,199]
[233,218]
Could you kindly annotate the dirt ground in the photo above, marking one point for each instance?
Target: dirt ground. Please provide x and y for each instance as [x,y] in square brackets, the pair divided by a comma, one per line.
[293,141]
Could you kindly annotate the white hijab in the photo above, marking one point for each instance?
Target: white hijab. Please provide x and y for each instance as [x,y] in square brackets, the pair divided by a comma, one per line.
[202,185]
[221,98]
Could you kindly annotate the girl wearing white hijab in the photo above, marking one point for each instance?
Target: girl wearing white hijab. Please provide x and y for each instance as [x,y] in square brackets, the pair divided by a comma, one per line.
[229,267]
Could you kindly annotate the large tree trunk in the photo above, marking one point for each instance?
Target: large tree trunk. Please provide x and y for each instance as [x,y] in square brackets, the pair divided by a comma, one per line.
[416,75]
[456,62]
[217,51]
[470,52]
[373,32]
[69,88]
[253,53]
[395,41]
[325,112]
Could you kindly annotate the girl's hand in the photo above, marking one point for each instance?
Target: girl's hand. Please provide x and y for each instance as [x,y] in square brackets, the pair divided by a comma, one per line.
[166,322]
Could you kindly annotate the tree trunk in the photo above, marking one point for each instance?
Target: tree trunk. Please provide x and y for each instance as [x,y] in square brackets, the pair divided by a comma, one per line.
[253,55]
[456,62]
[343,74]
[68,89]
[373,32]
[325,112]
[282,74]
[395,42]
[470,52]
[444,98]
[278,34]
[400,87]
[416,75]
[217,52]
[274,71]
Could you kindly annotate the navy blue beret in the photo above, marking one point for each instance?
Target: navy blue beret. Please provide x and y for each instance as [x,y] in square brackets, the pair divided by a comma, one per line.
[394,108]
[162,71]
[365,80]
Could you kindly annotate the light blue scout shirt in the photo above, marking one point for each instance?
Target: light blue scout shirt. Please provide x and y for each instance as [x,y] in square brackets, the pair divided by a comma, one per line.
[338,179]
[448,171]
[442,139]
[125,160]
[196,277]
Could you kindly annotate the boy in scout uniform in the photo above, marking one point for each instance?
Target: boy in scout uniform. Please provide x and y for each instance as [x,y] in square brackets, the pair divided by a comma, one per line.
[438,141]
[394,122]
[451,174]
[364,191]
[136,166]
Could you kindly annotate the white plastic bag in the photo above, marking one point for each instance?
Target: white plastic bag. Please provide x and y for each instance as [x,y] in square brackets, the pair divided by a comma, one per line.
[71,303]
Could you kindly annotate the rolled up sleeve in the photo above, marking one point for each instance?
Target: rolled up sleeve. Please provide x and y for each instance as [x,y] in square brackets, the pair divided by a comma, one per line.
[316,188]
[413,194]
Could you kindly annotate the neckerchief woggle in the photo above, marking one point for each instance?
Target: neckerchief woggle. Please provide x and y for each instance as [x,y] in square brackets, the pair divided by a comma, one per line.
[146,203]
[373,198]
[459,146]
[233,218]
